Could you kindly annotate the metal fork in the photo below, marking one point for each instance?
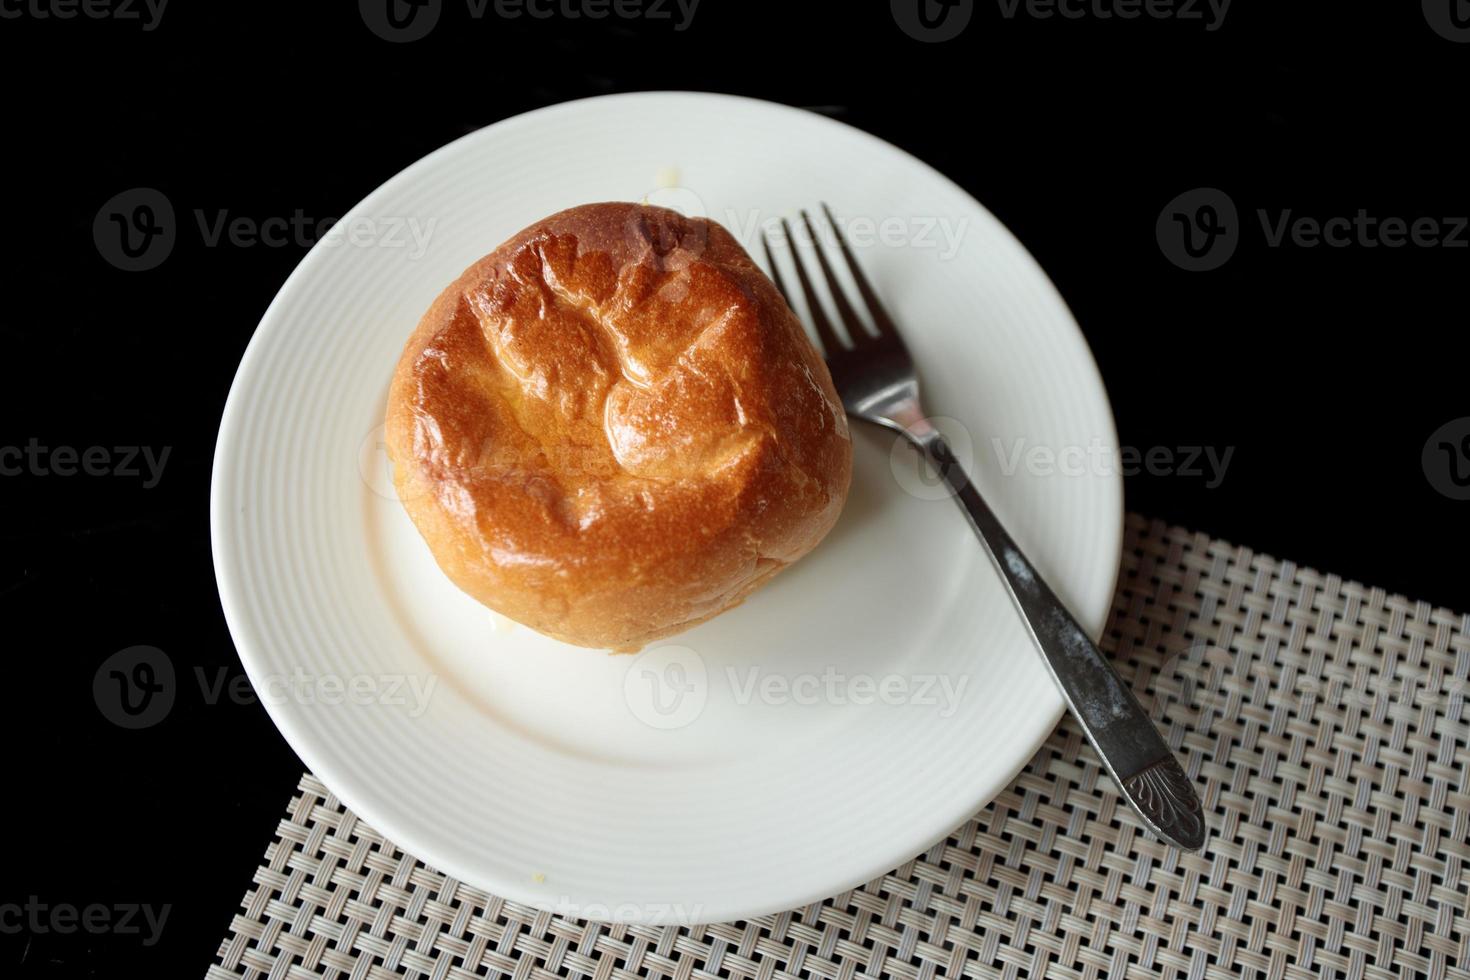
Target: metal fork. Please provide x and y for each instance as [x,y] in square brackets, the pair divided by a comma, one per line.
[875,376]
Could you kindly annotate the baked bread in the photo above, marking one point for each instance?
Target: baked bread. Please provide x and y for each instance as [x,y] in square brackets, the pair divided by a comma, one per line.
[613,427]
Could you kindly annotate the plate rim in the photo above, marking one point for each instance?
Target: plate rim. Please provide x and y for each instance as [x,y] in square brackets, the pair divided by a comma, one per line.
[317,756]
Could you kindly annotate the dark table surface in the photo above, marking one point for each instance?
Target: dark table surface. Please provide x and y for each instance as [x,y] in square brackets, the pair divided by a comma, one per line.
[1324,369]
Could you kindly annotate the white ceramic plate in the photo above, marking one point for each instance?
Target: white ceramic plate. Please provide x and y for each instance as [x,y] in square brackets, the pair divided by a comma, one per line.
[838,723]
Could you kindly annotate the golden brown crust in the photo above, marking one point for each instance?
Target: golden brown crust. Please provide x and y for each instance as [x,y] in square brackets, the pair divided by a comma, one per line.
[613,427]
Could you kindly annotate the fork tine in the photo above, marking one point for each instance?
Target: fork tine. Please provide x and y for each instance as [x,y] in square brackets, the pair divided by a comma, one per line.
[856,332]
[775,272]
[880,316]
[814,305]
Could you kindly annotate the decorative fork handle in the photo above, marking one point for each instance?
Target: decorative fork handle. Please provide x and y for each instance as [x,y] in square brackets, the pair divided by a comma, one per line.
[1115,723]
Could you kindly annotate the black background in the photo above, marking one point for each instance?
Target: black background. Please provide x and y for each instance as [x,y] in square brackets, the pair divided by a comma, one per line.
[1325,368]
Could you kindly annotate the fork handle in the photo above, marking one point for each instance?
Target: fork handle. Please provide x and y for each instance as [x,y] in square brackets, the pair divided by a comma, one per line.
[1116,724]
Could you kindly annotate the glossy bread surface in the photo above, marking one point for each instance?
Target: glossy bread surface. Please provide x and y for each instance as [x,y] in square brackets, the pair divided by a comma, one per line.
[613,427]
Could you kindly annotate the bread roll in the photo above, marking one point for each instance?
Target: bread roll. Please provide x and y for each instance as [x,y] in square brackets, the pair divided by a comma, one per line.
[613,427]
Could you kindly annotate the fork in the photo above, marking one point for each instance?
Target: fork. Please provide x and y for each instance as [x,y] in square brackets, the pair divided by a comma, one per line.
[876,379]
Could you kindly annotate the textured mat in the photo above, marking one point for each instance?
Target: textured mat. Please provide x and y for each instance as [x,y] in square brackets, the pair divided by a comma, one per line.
[1322,721]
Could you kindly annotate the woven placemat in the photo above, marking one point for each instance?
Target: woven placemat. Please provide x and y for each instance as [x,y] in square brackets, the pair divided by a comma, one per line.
[1322,721]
